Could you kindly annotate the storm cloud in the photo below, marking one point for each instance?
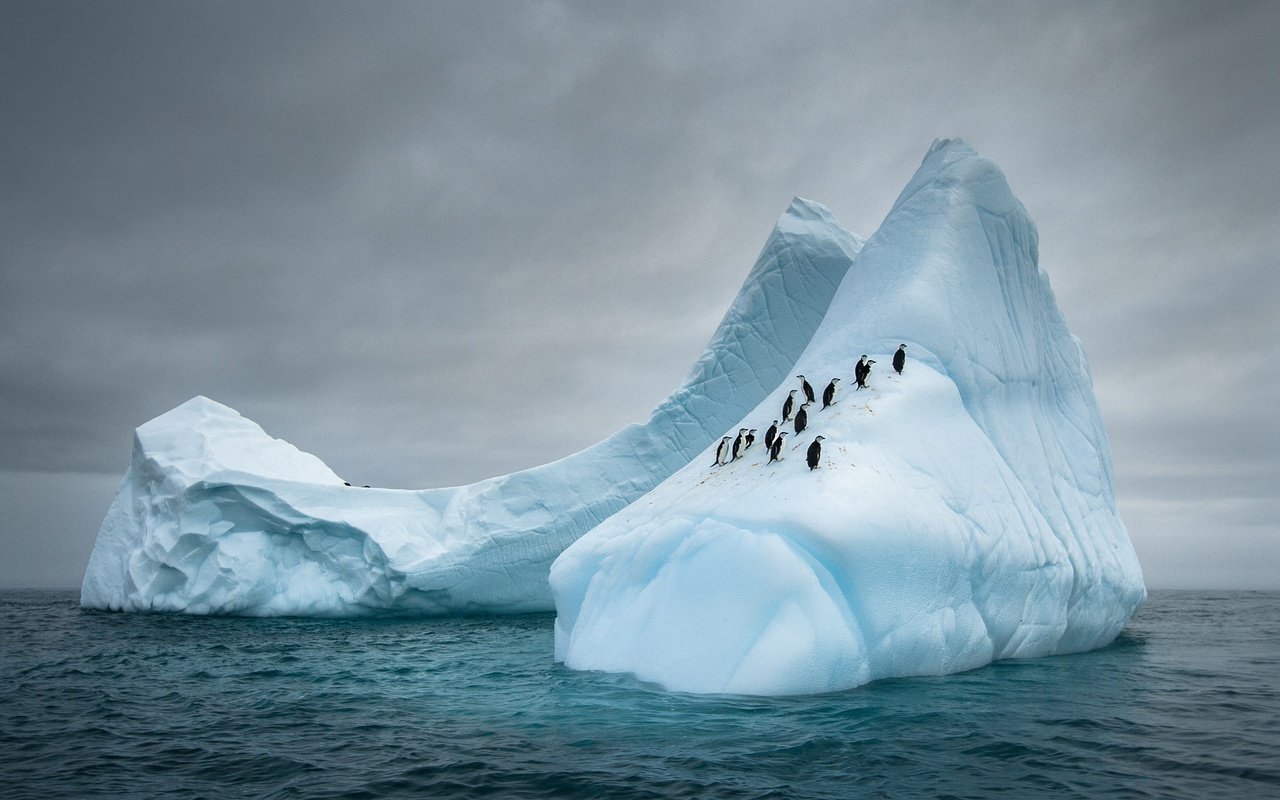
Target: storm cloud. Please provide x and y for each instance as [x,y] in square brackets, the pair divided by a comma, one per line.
[436,242]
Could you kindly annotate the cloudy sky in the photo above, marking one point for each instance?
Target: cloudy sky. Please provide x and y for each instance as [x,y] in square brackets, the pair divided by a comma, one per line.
[434,242]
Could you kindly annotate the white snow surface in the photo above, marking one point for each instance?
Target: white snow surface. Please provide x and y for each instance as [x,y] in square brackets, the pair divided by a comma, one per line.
[961,512]
[216,517]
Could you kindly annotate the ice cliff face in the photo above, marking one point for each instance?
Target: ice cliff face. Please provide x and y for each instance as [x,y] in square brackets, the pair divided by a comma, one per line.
[962,511]
[216,517]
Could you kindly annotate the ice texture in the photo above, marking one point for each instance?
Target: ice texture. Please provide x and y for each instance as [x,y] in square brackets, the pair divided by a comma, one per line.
[962,512]
[216,517]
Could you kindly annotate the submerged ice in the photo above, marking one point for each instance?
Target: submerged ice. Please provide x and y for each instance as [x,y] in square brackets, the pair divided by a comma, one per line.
[216,517]
[961,512]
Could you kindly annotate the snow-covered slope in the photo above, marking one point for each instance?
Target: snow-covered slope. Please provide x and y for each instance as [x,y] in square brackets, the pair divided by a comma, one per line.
[962,512]
[214,516]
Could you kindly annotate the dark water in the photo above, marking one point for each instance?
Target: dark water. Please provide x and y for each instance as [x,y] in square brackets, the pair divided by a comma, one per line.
[1186,703]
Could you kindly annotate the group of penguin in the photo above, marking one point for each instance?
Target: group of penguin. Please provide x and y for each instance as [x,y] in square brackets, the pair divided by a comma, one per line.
[773,438]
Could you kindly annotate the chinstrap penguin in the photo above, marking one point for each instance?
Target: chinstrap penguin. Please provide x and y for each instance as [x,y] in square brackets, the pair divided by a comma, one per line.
[721,451]
[829,393]
[802,418]
[808,390]
[787,405]
[814,453]
[775,452]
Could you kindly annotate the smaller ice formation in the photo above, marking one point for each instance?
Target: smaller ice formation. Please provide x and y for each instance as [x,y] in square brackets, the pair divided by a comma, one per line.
[216,517]
[962,511]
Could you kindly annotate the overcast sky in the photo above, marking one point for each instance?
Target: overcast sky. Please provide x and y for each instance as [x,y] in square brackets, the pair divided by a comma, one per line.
[434,242]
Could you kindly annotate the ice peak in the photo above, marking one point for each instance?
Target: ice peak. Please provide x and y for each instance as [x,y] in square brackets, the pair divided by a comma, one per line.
[953,173]
[807,209]
[956,147]
[206,406]
[808,219]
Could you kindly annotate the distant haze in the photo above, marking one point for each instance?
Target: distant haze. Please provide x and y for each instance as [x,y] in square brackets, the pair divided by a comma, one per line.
[434,242]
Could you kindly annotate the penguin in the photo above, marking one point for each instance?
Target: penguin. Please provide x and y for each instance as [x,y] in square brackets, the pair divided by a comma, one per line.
[738,444]
[787,405]
[864,371]
[802,418]
[814,453]
[900,359]
[770,434]
[751,438]
[775,452]
[808,390]
[721,451]
[829,393]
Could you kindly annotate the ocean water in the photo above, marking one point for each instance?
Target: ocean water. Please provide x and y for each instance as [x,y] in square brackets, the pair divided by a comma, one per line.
[1186,703]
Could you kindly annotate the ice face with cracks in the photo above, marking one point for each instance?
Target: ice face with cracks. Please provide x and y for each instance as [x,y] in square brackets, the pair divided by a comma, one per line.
[216,517]
[961,512]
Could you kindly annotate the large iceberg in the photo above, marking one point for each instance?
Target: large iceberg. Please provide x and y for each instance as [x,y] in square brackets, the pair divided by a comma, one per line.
[216,517]
[961,512]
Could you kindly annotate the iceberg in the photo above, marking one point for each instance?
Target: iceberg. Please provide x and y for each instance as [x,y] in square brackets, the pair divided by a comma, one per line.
[214,516]
[961,512]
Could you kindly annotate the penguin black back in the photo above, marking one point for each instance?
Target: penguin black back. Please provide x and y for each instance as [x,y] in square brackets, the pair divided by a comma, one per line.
[771,434]
[802,418]
[829,393]
[787,405]
[863,371]
[775,452]
[900,359]
[814,453]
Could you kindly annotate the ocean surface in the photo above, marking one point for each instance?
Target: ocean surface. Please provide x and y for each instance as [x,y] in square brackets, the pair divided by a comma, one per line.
[1186,703]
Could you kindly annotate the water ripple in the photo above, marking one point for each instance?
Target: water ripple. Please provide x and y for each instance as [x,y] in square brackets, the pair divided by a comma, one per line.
[1184,704]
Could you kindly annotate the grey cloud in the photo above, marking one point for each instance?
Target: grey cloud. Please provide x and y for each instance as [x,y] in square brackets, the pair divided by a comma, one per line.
[378,230]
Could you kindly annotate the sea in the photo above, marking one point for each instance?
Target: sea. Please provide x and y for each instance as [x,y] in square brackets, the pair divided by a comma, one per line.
[1184,704]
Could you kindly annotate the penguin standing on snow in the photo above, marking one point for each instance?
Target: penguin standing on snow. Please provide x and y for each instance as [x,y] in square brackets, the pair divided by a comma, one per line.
[829,393]
[787,405]
[770,434]
[751,438]
[900,359]
[739,444]
[814,453]
[862,371]
[775,452]
[808,390]
[802,418]
[721,451]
